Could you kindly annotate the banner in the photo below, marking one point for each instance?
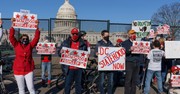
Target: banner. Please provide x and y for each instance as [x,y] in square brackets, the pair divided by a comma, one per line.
[25,20]
[142,27]
[172,49]
[141,47]
[73,57]
[111,58]
[175,80]
[46,48]
[164,29]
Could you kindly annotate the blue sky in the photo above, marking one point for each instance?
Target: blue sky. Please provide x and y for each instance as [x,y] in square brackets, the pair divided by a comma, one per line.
[120,11]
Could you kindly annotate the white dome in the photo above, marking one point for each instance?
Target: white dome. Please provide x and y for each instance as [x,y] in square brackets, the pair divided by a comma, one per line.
[66,11]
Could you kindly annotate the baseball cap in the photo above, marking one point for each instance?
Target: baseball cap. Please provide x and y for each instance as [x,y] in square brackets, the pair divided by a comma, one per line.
[74,31]
[131,32]
[174,68]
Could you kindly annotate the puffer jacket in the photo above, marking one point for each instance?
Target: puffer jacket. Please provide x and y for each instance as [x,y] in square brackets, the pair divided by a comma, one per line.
[23,62]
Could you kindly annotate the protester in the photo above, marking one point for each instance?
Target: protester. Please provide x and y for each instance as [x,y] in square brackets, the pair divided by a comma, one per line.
[46,64]
[73,73]
[23,65]
[82,34]
[105,42]
[118,42]
[175,70]
[132,64]
[154,67]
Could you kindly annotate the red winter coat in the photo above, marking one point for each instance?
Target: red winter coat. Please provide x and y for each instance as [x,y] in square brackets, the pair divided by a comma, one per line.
[23,62]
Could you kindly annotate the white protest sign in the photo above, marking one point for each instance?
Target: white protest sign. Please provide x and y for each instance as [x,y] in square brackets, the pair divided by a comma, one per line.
[25,21]
[172,49]
[111,58]
[151,34]
[142,27]
[73,57]
[164,29]
[141,47]
[46,48]
[175,80]
[23,11]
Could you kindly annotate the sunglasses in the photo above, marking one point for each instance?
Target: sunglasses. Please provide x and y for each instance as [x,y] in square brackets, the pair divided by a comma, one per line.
[24,39]
[74,33]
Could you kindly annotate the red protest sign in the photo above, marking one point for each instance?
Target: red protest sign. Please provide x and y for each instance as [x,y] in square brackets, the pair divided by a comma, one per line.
[175,80]
[111,58]
[25,21]
[141,47]
[72,57]
[46,48]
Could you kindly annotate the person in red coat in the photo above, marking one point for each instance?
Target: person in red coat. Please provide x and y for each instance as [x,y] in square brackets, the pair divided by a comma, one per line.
[23,65]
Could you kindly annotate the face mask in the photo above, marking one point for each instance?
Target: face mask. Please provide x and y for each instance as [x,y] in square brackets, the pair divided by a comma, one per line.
[75,37]
[133,37]
[106,38]
[25,41]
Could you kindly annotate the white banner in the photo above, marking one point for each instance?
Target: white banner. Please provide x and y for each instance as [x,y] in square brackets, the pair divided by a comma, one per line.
[73,57]
[25,21]
[142,27]
[46,48]
[172,49]
[175,80]
[141,47]
[111,58]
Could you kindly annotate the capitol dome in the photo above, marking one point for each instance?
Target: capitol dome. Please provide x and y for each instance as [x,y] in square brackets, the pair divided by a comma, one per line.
[66,11]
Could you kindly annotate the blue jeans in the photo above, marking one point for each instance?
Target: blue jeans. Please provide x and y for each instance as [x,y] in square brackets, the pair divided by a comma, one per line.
[46,65]
[110,82]
[73,75]
[149,76]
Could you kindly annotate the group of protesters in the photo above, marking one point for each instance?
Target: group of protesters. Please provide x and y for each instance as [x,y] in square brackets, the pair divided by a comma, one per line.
[153,63]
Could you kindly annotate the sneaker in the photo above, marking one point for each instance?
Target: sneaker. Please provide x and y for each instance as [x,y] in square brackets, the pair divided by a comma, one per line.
[49,83]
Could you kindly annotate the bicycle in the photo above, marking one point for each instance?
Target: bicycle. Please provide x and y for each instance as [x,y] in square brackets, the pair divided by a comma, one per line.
[5,68]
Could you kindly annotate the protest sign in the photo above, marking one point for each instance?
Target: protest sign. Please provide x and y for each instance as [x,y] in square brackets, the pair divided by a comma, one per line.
[172,49]
[175,80]
[24,20]
[151,34]
[111,58]
[46,48]
[142,27]
[164,29]
[73,57]
[141,47]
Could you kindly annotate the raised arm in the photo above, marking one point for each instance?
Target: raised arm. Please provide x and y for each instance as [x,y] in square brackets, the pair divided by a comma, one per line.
[36,36]
[12,39]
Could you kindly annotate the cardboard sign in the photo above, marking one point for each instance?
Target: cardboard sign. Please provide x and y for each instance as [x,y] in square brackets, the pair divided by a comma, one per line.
[151,34]
[142,27]
[172,49]
[111,58]
[46,48]
[163,29]
[141,47]
[175,80]
[73,57]
[24,20]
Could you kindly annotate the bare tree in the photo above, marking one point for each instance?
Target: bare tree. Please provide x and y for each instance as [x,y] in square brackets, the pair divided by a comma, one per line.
[168,14]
